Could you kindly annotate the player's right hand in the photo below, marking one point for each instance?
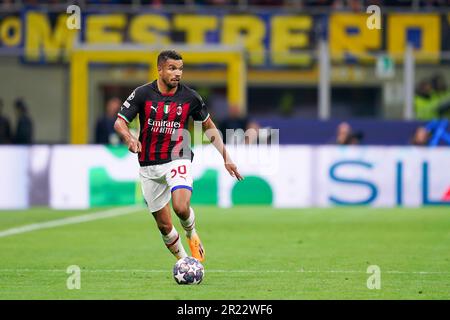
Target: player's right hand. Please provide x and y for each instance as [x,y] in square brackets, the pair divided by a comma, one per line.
[134,145]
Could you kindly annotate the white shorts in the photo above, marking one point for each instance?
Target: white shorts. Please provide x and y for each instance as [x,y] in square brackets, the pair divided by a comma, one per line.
[158,181]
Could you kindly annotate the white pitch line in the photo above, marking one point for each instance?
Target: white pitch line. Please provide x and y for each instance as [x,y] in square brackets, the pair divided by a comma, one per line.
[70,220]
[221,271]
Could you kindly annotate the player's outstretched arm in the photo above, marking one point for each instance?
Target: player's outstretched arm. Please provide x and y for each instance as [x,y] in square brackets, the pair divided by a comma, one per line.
[122,130]
[214,136]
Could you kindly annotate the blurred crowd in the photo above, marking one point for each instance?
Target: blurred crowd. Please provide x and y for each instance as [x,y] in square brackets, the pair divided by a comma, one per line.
[356,5]
[432,99]
[22,132]
[422,135]
[104,128]
[345,135]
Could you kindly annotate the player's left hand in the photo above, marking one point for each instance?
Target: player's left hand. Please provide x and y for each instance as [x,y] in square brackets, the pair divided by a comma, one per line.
[232,169]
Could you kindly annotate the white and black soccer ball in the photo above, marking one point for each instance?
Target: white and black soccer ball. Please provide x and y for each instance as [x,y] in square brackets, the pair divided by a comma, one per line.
[188,271]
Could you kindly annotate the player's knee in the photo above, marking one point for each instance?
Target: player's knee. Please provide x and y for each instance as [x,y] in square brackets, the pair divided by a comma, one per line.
[181,209]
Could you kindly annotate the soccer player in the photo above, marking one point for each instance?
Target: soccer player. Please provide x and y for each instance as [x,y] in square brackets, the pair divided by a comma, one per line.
[164,106]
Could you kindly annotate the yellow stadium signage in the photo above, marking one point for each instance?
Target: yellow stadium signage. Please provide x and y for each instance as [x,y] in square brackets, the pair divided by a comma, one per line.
[270,39]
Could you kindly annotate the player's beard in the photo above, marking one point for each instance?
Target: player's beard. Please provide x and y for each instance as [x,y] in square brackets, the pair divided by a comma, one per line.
[169,84]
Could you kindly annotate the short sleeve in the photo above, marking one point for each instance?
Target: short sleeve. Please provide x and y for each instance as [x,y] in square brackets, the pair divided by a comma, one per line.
[199,109]
[130,108]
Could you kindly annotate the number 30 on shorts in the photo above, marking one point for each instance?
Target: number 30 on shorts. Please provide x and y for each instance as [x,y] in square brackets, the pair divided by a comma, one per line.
[181,170]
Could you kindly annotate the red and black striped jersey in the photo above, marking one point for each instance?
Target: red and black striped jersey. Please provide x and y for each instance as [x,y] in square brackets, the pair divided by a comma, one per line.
[163,119]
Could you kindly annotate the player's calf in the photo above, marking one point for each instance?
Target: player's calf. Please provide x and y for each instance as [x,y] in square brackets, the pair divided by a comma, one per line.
[173,243]
[169,234]
[189,223]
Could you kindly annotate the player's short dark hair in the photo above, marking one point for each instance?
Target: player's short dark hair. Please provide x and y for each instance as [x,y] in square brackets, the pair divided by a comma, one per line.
[168,54]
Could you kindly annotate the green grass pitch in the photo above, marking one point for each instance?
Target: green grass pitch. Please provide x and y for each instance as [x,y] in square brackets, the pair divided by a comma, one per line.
[252,253]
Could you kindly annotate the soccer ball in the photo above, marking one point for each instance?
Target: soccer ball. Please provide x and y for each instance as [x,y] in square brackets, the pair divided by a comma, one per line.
[188,271]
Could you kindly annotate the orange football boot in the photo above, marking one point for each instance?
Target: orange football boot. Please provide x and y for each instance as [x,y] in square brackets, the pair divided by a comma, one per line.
[197,250]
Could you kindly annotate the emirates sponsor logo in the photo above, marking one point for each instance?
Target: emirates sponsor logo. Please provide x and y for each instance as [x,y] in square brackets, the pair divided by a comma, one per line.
[163,126]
